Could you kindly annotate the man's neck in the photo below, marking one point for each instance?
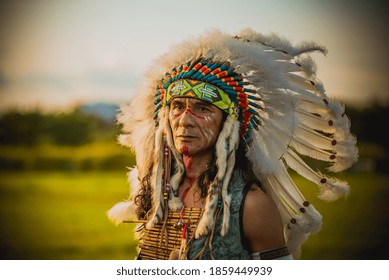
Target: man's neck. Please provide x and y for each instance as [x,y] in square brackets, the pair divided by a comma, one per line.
[195,165]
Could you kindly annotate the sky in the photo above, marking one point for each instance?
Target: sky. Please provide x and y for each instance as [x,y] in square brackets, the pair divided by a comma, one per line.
[58,54]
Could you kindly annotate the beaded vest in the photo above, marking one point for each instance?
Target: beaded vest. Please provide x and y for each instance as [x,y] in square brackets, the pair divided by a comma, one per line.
[166,237]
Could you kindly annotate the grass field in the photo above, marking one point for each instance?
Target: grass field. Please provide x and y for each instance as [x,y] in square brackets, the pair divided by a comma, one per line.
[356,227]
[62,215]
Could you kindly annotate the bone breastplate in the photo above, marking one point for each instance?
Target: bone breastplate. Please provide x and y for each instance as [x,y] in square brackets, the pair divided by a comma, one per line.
[158,242]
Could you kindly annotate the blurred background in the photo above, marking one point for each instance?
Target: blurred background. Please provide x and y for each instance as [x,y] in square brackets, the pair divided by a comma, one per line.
[66,66]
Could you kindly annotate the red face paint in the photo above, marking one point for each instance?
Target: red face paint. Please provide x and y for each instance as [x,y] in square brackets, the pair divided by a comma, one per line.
[187,162]
[188,168]
[185,150]
[187,112]
[197,116]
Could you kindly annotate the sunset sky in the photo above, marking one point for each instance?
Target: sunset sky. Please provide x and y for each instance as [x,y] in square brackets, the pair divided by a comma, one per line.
[55,54]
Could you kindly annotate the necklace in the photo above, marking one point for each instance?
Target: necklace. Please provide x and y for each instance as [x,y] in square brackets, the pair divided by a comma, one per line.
[180,225]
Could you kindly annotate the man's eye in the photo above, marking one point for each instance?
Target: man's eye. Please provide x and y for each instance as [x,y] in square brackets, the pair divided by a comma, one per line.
[177,106]
[202,108]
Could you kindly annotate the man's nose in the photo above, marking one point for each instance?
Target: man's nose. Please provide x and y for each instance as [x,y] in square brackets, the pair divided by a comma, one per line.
[187,118]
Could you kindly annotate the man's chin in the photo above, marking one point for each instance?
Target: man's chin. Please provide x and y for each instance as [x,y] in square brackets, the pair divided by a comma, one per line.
[184,148]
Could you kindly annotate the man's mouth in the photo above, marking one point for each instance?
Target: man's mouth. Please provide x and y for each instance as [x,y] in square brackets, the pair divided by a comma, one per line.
[186,137]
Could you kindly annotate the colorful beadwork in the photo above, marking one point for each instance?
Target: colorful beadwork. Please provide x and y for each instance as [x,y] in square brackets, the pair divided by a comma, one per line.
[215,83]
[204,91]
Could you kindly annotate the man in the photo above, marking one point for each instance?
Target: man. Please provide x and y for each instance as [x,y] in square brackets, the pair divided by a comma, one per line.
[214,131]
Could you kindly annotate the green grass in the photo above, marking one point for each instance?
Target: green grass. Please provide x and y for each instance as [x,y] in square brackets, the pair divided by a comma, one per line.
[62,215]
[355,227]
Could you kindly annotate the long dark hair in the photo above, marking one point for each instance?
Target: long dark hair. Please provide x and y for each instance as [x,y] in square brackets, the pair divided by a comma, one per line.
[143,199]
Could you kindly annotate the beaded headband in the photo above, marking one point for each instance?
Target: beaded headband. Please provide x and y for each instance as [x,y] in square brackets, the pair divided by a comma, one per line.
[203,91]
[213,82]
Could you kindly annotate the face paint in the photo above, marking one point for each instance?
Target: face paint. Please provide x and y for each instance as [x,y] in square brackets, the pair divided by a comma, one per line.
[188,168]
[207,129]
[185,150]
[195,125]
[188,111]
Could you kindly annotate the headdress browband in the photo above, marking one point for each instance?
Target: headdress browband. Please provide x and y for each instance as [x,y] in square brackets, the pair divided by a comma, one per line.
[203,91]
[215,83]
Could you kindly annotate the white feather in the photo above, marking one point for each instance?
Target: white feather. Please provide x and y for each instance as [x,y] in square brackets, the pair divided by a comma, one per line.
[330,189]
[233,142]
[122,211]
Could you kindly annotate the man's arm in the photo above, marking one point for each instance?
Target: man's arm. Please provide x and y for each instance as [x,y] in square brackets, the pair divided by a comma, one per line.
[262,226]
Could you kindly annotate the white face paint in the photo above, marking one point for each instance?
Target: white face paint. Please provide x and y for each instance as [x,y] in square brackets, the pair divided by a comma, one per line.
[195,125]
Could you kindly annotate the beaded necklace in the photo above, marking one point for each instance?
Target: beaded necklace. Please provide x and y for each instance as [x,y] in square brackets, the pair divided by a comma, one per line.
[184,227]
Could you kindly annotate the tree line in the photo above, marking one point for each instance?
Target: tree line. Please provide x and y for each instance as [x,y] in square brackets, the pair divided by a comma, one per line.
[67,128]
[77,127]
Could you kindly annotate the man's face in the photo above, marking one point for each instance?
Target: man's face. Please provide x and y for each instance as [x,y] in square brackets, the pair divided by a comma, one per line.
[195,124]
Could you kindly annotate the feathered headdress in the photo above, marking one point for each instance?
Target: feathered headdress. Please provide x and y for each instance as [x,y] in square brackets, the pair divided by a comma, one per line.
[274,103]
